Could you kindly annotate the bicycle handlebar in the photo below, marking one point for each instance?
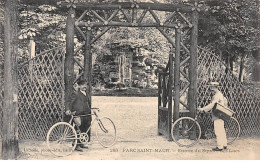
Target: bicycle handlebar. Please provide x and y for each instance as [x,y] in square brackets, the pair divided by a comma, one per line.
[208,112]
[74,112]
[69,112]
[95,109]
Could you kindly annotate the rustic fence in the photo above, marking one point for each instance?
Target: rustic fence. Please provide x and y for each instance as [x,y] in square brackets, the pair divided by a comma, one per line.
[244,102]
[41,91]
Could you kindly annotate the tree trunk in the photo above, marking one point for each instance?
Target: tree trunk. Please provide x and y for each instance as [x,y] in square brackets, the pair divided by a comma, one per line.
[220,54]
[227,62]
[231,64]
[10,147]
[241,70]
[256,72]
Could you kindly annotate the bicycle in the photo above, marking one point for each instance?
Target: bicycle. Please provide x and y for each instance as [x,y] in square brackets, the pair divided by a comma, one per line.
[63,137]
[186,131]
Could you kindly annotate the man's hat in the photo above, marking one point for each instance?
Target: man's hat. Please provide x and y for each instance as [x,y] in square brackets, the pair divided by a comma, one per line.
[214,84]
[81,82]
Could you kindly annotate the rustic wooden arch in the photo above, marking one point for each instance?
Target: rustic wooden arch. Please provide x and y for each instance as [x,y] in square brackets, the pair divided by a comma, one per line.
[165,117]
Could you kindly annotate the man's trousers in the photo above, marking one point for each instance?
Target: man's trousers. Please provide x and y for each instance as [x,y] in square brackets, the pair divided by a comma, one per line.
[85,124]
[220,133]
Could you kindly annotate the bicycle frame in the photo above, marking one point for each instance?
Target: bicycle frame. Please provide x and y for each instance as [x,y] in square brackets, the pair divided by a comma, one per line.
[92,122]
[69,133]
[196,120]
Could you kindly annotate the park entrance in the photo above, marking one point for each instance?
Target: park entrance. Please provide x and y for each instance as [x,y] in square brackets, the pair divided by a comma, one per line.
[46,81]
[179,27]
[44,90]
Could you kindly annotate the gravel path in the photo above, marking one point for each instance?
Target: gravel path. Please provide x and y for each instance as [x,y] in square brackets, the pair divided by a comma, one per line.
[136,122]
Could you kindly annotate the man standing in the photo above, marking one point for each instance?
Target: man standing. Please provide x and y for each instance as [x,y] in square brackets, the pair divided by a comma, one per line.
[80,103]
[218,123]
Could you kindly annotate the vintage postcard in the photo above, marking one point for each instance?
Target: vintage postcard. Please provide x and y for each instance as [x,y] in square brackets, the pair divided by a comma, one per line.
[129,80]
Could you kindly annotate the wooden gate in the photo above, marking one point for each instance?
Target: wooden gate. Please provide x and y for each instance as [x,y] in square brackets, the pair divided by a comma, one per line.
[164,103]
[41,94]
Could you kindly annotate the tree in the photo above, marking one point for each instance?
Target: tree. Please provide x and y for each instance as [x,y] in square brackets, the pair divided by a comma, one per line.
[44,23]
[231,29]
[10,147]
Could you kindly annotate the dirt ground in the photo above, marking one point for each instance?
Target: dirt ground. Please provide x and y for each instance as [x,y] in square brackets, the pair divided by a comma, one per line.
[136,122]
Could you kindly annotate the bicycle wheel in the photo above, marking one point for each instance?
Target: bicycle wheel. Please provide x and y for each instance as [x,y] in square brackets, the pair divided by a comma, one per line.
[106,132]
[62,139]
[232,128]
[185,132]
[210,137]
[209,134]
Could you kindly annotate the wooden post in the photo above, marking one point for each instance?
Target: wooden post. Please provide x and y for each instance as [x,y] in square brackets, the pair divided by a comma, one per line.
[177,75]
[159,98]
[242,68]
[192,94]
[170,94]
[32,48]
[10,145]
[69,61]
[32,55]
[88,64]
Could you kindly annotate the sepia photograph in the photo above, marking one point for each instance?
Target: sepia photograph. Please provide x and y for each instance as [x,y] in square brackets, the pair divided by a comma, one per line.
[129,80]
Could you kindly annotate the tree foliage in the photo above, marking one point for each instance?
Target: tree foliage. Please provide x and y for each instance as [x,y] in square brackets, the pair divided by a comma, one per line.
[228,27]
[43,23]
[231,29]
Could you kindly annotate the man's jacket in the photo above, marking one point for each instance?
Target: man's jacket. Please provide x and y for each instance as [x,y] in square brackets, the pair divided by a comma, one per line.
[79,103]
[218,98]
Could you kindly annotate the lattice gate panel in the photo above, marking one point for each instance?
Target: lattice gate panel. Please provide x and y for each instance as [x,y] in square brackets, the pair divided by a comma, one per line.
[41,92]
[246,104]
